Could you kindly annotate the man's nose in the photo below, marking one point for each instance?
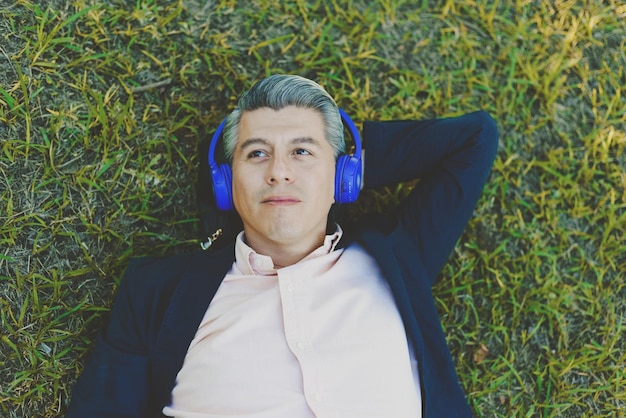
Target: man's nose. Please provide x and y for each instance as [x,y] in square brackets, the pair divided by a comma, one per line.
[280,170]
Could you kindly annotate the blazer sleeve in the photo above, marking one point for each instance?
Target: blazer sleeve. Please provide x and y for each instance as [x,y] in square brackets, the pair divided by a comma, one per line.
[115,381]
[451,157]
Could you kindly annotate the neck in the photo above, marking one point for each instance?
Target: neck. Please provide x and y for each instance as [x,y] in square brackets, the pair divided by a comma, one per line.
[283,253]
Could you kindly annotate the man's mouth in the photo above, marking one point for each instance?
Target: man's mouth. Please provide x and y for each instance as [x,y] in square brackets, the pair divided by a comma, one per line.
[280,200]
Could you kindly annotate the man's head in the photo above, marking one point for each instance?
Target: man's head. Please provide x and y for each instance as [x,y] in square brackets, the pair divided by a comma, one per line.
[283,144]
[279,91]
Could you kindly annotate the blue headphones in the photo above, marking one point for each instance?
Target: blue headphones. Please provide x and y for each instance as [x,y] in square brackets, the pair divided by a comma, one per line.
[348,170]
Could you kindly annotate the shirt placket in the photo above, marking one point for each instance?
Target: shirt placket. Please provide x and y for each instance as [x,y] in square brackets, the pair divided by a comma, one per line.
[293,284]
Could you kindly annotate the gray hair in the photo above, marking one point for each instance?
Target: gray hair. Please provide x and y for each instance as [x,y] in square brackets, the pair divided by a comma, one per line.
[279,91]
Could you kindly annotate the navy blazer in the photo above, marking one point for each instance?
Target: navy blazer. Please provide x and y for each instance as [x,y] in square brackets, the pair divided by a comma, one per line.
[160,302]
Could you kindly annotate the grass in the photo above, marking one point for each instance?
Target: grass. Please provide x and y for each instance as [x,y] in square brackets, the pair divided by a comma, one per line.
[102,106]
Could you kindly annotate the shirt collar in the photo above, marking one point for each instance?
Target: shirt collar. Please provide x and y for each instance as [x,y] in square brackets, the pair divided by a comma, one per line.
[249,262]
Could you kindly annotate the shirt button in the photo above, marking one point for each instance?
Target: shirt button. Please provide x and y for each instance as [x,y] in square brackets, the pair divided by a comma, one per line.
[290,288]
[300,345]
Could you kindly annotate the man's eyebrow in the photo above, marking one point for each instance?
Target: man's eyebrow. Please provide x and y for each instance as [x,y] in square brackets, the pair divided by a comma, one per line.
[305,140]
[254,141]
[262,141]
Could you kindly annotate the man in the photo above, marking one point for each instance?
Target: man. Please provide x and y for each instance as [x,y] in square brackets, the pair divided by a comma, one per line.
[300,317]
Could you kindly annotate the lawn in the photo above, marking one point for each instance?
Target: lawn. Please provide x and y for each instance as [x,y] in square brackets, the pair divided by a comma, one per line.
[103,105]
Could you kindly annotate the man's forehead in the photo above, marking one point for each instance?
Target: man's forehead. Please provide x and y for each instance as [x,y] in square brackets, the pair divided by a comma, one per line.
[286,113]
[291,123]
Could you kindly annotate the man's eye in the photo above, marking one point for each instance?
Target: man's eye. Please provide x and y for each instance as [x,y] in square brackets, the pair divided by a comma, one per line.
[257,154]
[301,151]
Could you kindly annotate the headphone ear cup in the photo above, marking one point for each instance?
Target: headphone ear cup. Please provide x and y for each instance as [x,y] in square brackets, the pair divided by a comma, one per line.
[347,179]
[221,178]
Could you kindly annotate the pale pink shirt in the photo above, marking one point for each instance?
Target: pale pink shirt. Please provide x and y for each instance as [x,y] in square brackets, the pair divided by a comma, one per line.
[320,338]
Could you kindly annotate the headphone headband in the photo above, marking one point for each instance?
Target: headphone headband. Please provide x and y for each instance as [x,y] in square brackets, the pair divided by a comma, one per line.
[214,141]
[354,132]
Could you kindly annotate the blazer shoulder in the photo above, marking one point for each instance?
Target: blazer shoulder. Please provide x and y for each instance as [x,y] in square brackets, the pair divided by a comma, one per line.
[149,276]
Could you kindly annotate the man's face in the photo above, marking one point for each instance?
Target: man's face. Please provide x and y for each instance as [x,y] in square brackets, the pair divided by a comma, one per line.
[283,176]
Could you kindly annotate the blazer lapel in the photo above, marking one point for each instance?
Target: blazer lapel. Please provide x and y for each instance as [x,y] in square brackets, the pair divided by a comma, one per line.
[382,248]
[187,307]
